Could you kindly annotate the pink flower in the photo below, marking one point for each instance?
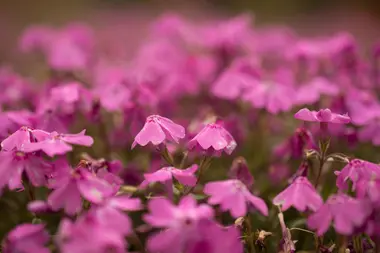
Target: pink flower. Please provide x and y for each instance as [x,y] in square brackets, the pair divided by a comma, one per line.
[57,144]
[68,98]
[356,170]
[180,223]
[111,214]
[157,129]
[301,194]
[213,238]
[239,170]
[15,163]
[72,184]
[185,177]
[17,139]
[27,238]
[233,195]
[345,212]
[65,49]
[371,132]
[273,96]
[314,89]
[88,234]
[241,77]
[215,138]
[323,115]
[369,188]
[114,97]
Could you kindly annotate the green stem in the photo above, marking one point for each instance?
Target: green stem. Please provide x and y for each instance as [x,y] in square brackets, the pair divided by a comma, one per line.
[250,234]
[182,164]
[29,189]
[357,244]
[204,165]
[323,146]
[303,230]
[167,156]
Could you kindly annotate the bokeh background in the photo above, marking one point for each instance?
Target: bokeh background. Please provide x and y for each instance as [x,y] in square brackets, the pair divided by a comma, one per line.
[125,21]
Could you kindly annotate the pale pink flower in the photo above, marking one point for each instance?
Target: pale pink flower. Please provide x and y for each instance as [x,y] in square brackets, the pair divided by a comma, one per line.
[57,144]
[27,238]
[215,138]
[344,212]
[234,196]
[301,194]
[157,129]
[323,115]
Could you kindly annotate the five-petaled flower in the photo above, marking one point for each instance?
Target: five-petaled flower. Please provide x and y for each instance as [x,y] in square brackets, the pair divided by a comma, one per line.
[157,129]
[323,115]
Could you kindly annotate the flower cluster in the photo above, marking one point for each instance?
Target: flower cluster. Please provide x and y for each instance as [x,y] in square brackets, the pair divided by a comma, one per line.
[210,134]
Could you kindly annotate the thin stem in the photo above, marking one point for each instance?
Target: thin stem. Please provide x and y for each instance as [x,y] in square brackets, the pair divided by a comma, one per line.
[249,234]
[303,230]
[204,164]
[184,158]
[29,189]
[357,241]
[323,146]
[166,155]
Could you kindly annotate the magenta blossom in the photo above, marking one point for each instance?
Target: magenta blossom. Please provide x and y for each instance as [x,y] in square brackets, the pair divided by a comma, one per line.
[369,188]
[73,184]
[111,214]
[215,138]
[214,238]
[15,163]
[27,238]
[301,194]
[17,140]
[88,234]
[272,96]
[356,170]
[323,115]
[185,177]
[345,212]
[234,196]
[157,129]
[57,144]
[180,223]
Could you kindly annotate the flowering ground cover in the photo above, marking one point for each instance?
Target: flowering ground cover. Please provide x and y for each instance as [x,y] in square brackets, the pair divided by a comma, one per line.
[218,137]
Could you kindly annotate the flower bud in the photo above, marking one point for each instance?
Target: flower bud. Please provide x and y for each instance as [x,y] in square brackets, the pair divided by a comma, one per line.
[239,170]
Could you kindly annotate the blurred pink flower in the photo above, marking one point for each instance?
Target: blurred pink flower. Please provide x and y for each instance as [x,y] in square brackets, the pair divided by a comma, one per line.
[355,171]
[180,223]
[323,115]
[300,194]
[88,234]
[31,238]
[15,163]
[345,212]
[233,195]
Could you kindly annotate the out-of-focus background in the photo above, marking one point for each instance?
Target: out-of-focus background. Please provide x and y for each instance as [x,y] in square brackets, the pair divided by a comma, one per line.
[126,20]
